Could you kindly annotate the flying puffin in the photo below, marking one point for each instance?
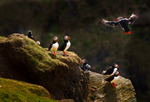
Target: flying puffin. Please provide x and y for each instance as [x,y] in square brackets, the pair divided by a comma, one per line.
[111,70]
[124,22]
[30,35]
[113,78]
[85,66]
[66,45]
[54,46]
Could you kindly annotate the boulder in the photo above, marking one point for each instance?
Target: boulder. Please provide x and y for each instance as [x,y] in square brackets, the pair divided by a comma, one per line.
[102,91]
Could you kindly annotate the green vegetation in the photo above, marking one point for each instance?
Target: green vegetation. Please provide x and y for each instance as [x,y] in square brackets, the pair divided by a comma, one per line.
[30,52]
[17,91]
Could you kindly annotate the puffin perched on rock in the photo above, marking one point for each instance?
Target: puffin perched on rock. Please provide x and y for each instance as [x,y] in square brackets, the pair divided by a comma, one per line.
[124,22]
[54,45]
[113,78]
[31,37]
[85,66]
[111,70]
[66,45]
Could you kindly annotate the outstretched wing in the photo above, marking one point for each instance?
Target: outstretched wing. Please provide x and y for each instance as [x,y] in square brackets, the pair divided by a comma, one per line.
[132,18]
[110,23]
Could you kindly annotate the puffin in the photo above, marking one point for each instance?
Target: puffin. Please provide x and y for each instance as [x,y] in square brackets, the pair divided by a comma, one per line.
[66,45]
[113,78]
[30,35]
[111,70]
[85,66]
[54,45]
[123,22]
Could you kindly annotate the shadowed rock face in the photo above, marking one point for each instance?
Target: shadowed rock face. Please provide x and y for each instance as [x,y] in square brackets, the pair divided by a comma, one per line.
[102,91]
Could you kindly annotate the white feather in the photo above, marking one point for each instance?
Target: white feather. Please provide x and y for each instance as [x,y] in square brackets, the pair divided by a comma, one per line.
[68,45]
[54,47]
[115,79]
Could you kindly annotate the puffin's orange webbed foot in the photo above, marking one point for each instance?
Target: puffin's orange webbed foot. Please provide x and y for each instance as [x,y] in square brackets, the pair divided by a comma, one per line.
[65,53]
[53,53]
[129,32]
[113,84]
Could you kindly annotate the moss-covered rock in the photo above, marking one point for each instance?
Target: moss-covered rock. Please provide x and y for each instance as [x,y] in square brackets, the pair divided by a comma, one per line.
[102,91]
[17,91]
[22,59]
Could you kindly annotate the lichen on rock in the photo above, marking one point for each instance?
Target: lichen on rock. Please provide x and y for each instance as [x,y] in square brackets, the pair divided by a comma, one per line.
[102,91]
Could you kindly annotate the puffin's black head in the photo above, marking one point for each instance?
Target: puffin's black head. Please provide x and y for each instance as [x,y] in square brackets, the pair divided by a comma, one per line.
[55,39]
[66,37]
[115,65]
[29,33]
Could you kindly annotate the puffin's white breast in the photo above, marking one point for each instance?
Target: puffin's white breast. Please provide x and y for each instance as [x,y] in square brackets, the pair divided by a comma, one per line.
[115,79]
[55,47]
[67,46]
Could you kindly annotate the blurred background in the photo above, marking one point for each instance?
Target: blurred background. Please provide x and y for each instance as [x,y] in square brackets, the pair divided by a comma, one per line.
[81,19]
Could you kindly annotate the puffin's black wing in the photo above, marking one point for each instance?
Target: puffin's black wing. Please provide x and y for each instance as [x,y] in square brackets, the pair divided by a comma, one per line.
[109,71]
[62,47]
[110,23]
[50,46]
[32,38]
[110,78]
[132,18]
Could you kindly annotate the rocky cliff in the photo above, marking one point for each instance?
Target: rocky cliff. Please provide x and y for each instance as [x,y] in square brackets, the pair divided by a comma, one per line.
[22,59]
[102,91]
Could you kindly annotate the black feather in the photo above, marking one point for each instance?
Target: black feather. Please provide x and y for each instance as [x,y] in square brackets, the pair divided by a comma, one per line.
[50,46]
[109,79]
[109,71]
[63,46]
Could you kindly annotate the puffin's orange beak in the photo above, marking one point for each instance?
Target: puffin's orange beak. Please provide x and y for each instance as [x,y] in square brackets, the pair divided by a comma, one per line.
[118,74]
[117,19]
[117,66]
[68,37]
[81,61]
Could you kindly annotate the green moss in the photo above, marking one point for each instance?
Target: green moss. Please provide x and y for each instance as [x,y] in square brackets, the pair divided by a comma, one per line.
[2,39]
[17,91]
[27,51]
[71,60]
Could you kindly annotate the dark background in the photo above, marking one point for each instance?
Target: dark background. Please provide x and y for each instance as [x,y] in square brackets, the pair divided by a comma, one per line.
[100,45]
